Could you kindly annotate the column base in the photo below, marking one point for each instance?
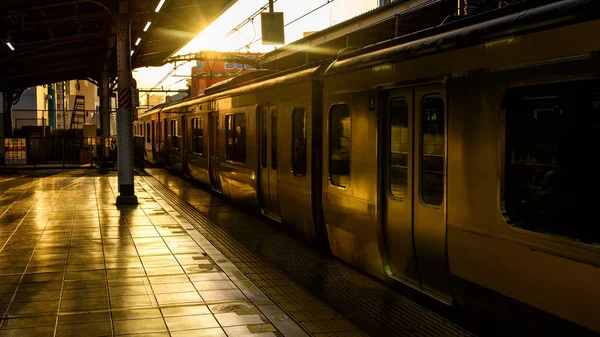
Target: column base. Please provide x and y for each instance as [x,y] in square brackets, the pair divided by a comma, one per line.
[127,200]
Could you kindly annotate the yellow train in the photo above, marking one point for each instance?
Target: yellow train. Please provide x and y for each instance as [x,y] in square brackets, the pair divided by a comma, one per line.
[456,160]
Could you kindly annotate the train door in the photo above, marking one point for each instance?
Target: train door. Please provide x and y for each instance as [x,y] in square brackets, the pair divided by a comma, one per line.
[397,192]
[153,139]
[269,199]
[213,165]
[429,193]
[183,145]
[164,145]
[414,203]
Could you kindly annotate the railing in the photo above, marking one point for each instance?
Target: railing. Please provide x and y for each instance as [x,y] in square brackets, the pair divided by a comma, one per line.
[57,151]
[61,119]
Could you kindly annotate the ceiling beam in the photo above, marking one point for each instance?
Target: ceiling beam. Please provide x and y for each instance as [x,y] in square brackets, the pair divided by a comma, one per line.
[63,39]
[92,51]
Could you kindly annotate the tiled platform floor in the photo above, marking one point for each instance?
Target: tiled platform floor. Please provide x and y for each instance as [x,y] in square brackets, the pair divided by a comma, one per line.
[74,264]
[306,283]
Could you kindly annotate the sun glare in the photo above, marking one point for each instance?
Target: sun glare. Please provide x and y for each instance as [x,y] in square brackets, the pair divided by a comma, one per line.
[247,38]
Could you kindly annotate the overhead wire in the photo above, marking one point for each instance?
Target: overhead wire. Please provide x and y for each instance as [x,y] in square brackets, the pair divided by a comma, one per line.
[289,23]
[249,19]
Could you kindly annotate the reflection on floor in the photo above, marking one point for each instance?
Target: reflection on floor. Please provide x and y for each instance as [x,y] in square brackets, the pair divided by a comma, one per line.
[74,264]
[307,284]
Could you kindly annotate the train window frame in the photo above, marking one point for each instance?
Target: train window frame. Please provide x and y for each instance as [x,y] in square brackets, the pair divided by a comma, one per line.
[231,132]
[410,147]
[263,112]
[174,134]
[553,142]
[422,149]
[197,147]
[330,147]
[299,173]
[274,135]
[148,133]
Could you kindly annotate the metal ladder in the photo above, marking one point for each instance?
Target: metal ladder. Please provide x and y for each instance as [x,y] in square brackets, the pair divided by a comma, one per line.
[78,115]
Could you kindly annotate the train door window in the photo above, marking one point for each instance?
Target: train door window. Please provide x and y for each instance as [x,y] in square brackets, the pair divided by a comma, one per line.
[433,150]
[551,183]
[399,143]
[235,126]
[299,142]
[165,132]
[198,135]
[148,133]
[174,135]
[340,145]
[263,138]
[274,139]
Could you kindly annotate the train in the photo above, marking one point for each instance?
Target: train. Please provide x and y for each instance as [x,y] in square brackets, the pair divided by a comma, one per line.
[455,160]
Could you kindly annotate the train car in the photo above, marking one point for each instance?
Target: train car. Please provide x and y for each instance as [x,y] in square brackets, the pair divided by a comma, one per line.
[229,139]
[149,126]
[453,160]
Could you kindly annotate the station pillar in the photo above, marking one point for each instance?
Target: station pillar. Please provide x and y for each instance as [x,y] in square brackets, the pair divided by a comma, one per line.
[122,21]
[105,103]
[7,105]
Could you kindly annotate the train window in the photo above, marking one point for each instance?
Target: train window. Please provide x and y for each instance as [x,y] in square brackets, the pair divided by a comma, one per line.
[432,150]
[236,138]
[274,139]
[340,145]
[299,142]
[198,135]
[263,138]
[399,146]
[148,133]
[174,135]
[551,183]
[164,139]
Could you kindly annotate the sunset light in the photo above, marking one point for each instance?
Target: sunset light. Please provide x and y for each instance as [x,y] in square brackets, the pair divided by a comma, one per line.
[307,16]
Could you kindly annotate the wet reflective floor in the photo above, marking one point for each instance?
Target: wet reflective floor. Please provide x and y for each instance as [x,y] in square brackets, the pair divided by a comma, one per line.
[74,264]
[305,283]
[182,263]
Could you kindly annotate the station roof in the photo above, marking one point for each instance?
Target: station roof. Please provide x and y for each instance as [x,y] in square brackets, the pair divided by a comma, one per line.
[68,39]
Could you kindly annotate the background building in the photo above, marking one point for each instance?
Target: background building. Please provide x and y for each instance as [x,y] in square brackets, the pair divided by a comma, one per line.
[52,105]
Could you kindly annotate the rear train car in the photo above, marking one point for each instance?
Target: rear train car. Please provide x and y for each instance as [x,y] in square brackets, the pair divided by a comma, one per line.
[255,143]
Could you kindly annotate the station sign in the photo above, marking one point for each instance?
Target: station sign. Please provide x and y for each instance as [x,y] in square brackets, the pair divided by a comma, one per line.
[15,151]
[272,28]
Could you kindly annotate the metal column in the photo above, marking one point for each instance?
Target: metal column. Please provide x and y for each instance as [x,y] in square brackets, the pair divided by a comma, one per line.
[7,105]
[124,111]
[105,103]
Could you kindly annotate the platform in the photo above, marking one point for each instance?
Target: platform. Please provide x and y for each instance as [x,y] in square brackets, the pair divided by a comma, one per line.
[182,263]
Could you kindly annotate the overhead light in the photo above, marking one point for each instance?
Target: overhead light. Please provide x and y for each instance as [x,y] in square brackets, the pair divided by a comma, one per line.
[138,41]
[131,53]
[162,2]
[147,26]
[10,46]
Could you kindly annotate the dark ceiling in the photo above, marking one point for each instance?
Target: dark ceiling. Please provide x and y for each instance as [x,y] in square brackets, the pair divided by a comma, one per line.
[63,40]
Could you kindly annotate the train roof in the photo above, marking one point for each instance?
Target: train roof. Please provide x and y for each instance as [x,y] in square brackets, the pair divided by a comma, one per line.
[470,31]
[239,79]
[261,83]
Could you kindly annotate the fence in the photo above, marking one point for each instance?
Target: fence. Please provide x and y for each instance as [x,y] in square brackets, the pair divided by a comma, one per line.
[60,119]
[57,151]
